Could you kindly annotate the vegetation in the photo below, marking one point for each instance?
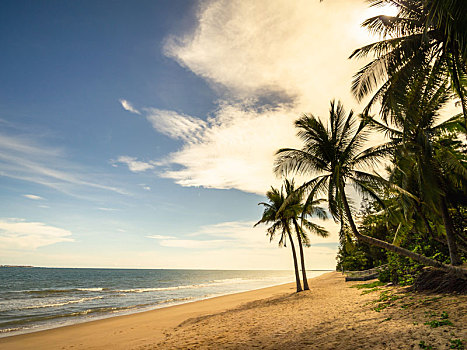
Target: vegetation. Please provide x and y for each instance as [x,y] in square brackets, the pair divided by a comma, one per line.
[415,214]
[335,153]
[423,32]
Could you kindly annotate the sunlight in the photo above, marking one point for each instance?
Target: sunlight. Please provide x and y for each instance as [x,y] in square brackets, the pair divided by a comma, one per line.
[361,33]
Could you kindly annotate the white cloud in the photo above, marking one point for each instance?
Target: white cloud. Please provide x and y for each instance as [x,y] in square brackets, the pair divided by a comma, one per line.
[128,106]
[107,209]
[33,197]
[276,61]
[19,234]
[160,237]
[135,165]
[175,125]
[235,151]
[250,48]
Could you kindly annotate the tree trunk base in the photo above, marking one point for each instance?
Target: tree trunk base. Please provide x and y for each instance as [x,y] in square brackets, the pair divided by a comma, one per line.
[439,281]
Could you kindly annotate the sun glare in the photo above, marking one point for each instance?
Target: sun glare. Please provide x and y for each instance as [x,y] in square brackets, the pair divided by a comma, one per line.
[362,34]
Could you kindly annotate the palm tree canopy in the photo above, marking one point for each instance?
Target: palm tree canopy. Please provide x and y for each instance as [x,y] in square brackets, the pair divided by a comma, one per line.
[433,31]
[413,128]
[276,199]
[336,153]
[286,205]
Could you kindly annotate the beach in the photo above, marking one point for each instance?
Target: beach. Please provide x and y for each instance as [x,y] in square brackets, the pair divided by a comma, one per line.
[332,315]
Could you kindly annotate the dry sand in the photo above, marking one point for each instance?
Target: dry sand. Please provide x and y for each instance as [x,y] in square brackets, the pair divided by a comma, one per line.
[329,316]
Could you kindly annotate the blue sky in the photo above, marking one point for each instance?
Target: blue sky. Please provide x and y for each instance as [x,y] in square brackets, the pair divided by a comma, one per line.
[142,134]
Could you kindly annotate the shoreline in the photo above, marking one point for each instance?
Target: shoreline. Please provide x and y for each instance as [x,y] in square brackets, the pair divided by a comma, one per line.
[142,310]
[332,315]
[29,340]
[143,296]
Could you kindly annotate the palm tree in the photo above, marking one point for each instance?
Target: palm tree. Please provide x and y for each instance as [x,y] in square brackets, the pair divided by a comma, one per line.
[429,30]
[413,130]
[293,204]
[335,152]
[450,18]
[281,221]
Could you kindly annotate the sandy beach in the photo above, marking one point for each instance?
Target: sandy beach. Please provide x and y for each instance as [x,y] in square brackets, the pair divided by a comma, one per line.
[332,315]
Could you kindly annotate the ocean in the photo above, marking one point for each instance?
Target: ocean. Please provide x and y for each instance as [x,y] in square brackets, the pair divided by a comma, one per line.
[33,299]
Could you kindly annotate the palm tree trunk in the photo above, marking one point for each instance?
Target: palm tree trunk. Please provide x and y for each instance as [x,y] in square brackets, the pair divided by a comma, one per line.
[297,275]
[450,235]
[393,248]
[302,256]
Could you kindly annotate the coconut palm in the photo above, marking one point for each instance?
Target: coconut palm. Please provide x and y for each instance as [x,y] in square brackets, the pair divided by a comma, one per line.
[281,223]
[429,30]
[299,211]
[419,159]
[336,153]
[450,18]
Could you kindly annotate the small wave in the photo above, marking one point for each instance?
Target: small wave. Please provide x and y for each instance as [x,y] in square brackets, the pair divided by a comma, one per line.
[233,280]
[92,289]
[174,300]
[42,292]
[189,286]
[46,291]
[145,290]
[36,319]
[82,300]
[6,330]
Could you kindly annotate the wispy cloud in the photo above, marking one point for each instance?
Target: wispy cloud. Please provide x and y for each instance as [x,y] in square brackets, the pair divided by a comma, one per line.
[160,237]
[174,242]
[175,125]
[24,145]
[236,235]
[33,197]
[28,160]
[107,209]
[225,242]
[233,149]
[193,244]
[23,235]
[145,187]
[128,106]
[134,164]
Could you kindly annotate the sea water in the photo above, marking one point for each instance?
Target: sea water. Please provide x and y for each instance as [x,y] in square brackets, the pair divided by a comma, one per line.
[33,299]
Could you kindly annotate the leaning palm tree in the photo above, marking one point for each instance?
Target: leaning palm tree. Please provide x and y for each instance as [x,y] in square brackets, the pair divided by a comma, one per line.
[336,153]
[433,30]
[301,211]
[281,223]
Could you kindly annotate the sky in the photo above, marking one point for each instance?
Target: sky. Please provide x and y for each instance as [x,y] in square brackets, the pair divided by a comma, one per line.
[142,134]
